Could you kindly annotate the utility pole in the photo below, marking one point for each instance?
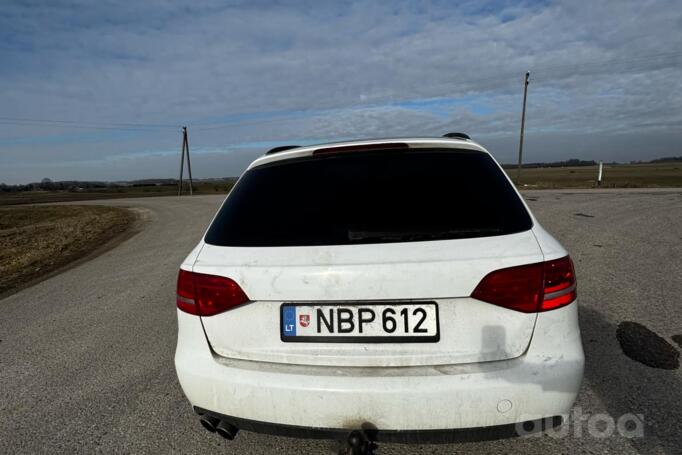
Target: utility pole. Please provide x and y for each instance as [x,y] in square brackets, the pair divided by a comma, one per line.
[185,149]
[523,123]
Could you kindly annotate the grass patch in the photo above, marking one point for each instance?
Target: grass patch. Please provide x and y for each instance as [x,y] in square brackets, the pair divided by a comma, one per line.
[37,240]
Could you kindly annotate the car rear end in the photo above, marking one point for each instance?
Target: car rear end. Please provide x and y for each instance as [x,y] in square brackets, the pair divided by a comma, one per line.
[395,285]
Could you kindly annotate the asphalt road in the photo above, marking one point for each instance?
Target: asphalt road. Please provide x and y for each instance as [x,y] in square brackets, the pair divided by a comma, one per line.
[86,356]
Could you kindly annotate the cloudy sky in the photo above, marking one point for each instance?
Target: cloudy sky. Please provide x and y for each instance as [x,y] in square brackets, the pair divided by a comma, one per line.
[98,90]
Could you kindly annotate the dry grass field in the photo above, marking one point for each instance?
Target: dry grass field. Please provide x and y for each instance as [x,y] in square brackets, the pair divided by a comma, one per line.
[614,176]
[37,240]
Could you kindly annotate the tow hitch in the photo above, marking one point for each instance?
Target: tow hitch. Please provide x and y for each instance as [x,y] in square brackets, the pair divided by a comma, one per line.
[358,444]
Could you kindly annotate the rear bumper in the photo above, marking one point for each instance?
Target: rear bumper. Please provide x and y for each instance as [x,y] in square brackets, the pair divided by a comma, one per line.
[399,436]
[541,383]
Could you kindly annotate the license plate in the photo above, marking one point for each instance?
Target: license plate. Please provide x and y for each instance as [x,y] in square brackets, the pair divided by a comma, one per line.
[360,322]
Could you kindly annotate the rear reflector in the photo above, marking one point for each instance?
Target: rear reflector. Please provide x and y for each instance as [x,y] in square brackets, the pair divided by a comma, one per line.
[206,295]
[386,146]
[530,288]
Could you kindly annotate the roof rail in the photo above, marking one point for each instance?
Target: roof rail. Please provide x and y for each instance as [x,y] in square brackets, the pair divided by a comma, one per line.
[457,136]
[281,148]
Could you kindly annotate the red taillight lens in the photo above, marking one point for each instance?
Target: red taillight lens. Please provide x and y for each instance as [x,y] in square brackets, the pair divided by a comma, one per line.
[530,288]
[206,295]
[518,288]
[185,293]
[560,286]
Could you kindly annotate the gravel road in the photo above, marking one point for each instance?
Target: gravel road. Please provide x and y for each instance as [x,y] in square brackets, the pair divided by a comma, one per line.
[86,356]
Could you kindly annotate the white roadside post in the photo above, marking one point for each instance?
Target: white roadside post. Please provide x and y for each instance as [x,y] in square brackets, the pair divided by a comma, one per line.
[599,174]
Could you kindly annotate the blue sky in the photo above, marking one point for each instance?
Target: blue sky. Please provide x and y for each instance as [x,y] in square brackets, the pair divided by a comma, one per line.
[606,80]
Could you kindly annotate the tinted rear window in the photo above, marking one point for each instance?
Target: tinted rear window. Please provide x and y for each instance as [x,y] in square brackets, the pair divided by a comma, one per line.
[393,196]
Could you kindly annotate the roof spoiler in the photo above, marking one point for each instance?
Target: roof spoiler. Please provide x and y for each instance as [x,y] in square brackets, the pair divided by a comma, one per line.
[281,148]
[457,136]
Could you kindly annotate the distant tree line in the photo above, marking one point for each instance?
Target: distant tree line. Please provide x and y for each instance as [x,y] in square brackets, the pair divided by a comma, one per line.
[568,163]
[574,162]
[667,159]
[47,184]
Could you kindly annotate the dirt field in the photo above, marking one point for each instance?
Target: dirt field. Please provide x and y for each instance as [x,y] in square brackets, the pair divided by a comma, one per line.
[35,241]
[35,197]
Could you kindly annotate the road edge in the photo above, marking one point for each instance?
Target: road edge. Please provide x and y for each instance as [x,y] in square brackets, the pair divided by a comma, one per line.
[141,217]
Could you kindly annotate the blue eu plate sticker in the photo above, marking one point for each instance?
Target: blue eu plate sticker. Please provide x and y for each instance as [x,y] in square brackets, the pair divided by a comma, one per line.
[289,321]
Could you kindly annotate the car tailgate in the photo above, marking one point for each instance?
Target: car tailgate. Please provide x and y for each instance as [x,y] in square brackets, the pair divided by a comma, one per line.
[442,271]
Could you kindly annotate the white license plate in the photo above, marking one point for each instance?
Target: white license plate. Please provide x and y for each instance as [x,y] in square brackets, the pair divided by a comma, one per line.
[360,322]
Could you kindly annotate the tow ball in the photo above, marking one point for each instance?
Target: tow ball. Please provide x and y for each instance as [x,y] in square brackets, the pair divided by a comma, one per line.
[358,444]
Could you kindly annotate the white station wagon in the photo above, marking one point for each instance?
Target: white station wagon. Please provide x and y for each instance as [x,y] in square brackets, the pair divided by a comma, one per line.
[393,289]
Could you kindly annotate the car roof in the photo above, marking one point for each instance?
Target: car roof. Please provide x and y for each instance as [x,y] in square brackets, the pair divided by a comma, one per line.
[411,142]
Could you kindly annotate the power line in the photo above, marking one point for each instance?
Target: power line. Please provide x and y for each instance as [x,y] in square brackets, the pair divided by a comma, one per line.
[274,119]
[80,127]
[580,68]
[570,69]
[549,71]
[69,124]
[147,125]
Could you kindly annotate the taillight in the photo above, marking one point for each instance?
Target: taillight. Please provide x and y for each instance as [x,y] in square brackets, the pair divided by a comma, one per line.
[560,285]
[518,288]
[530,288]
[206,295]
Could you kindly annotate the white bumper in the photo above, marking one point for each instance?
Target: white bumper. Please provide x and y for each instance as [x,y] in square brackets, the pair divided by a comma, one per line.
[541,383]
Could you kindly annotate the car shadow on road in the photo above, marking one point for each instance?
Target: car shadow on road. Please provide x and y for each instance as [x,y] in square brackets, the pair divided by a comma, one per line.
[626,386]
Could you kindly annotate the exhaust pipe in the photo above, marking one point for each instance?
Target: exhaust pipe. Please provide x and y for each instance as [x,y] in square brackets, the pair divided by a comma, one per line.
[209,422]
[226,430]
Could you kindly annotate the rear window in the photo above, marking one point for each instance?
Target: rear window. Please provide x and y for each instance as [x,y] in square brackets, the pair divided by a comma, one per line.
[354,198]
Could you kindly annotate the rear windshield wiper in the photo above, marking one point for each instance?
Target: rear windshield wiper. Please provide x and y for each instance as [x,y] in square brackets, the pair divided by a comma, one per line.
[406,236]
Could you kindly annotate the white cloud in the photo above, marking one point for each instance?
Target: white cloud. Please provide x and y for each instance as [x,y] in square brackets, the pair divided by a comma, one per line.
[598,68]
